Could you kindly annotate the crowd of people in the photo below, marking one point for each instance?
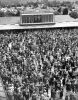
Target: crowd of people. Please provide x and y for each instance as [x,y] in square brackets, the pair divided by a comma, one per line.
[39,64]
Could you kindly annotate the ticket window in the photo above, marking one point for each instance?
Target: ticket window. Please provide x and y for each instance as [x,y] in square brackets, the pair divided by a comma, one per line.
[39,19]
[32,19]
[35,19]
[23,19]
[43,18]
[51,18]
[48,18]
[28,19]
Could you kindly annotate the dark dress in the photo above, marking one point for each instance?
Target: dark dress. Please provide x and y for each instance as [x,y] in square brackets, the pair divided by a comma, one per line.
[34,97]
[66,98]
[68,87]
[72,97]
[52,93]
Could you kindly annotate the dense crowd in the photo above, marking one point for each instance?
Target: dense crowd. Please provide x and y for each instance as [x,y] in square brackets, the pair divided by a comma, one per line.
[39,64]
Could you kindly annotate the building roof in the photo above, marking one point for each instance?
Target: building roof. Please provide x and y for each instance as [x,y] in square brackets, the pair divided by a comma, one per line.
[37,11]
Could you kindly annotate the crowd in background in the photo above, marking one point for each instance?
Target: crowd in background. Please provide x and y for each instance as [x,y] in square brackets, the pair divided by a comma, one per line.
[39,64]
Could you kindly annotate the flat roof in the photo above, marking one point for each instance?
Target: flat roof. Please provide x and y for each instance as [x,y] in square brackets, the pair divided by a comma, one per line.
[37,11]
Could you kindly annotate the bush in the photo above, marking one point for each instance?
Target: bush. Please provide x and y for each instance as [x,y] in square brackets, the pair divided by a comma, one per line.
[57,13]
[2,14]
[18,13]
[59,10]
[65,11]
[74,14]
[44,6]
[53,3]
[9,13]
[35,5]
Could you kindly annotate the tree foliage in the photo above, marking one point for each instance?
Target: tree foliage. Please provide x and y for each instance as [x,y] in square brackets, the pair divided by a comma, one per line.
[74,14]
[65,11]
[2,14]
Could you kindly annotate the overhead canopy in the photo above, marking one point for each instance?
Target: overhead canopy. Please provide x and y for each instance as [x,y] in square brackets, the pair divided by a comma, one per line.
[37,11]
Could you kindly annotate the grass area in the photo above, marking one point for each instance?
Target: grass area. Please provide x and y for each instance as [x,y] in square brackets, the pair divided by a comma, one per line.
[9,20]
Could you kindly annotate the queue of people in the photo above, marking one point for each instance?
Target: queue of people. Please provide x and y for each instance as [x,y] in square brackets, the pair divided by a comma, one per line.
[39,64]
